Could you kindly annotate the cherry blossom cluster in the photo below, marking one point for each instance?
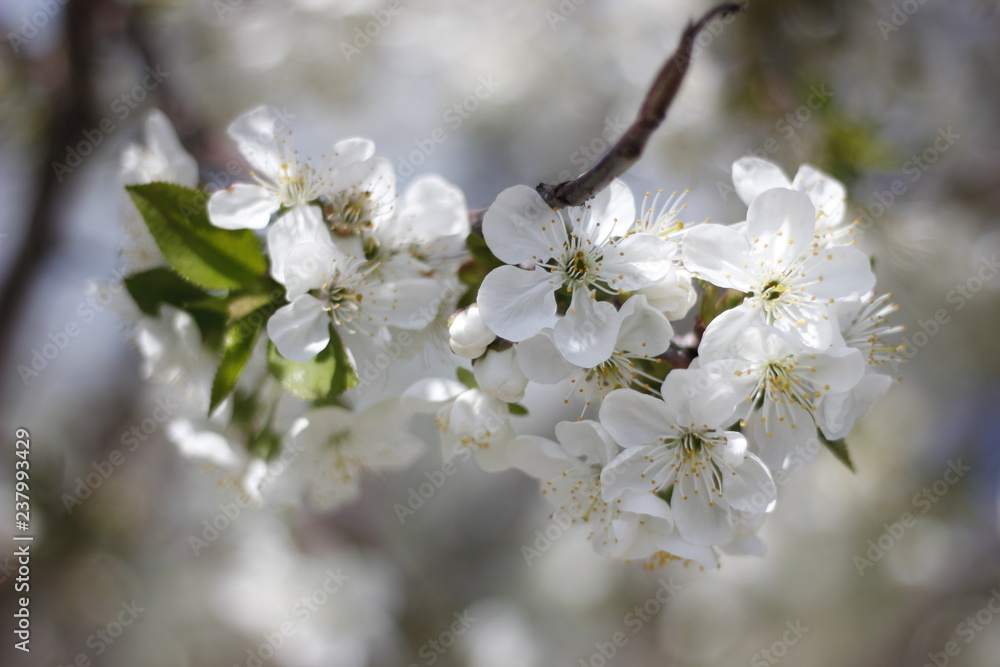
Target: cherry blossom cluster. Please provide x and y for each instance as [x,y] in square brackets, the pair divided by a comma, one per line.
[278,309]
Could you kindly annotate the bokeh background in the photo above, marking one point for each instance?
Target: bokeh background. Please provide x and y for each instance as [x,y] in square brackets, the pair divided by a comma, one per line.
[897,564]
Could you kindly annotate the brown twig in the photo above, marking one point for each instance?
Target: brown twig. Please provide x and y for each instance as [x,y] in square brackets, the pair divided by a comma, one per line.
[654,108]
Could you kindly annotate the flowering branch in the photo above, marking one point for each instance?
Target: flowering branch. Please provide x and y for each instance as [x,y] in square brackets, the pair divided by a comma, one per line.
[654,108]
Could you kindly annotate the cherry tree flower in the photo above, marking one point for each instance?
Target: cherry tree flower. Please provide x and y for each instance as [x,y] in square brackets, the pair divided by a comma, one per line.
[335,446]
[357,190]
[583,249]
[790,281]
[679,445]
[636,524]
[783,384]
[636,331]
[752,176]
[863,325]
[360,300]
[466,419]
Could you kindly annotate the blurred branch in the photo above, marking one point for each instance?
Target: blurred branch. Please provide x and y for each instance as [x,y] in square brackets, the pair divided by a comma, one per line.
[71,105]
[654,108]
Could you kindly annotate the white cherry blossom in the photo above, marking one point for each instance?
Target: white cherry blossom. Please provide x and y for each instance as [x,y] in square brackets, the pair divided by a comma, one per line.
[680,445]
[583,249]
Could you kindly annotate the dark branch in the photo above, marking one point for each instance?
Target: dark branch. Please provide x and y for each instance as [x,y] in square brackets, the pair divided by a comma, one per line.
[654,109]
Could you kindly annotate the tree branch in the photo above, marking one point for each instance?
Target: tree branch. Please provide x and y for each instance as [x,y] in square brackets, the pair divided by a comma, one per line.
[654,108]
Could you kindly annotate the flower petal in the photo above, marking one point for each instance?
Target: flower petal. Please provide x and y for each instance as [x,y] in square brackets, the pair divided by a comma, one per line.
[718,254]
[781,223]
[520,227]
[301,224]
[242,206]
[429,394]
[827,194]
[637,261]
[635,419]
[517,304]
[644,330]
[699,517]
[586,335]
[752,176]
[540,360]
[300,330]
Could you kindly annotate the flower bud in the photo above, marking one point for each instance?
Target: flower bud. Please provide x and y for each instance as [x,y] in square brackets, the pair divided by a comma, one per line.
[673,296]
[498,375]
[469,335]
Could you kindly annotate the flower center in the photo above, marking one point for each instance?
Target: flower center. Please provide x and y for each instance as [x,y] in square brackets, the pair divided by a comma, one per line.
[579,263]
[349,213]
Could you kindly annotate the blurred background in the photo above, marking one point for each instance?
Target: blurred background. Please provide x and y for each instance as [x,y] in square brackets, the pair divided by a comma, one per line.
[898,564]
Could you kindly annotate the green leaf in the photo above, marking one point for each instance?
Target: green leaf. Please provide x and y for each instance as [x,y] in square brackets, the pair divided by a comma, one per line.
[206,255]
[466,377]
[839,449]
[151,288]
[237,345]
[322,378]
[517,409]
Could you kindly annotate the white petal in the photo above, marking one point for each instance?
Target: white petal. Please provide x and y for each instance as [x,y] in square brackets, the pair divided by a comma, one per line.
[309,266]
[840,369]
[301,224]
[431,208]
[428,395]
[540,359]
[702,396]
[838,412]
[588,441]
[751,489]
[162,140]
[255,133]
[539,457]
[300,330]
[700,518]
[517,304]
[644,330]
[520,227]
[611,213]
[827,194]
[752,176]
[242,206]
[637,261]
[718,254]
[837,273]
[586,335]
[404,303]
[720,340]
[348,151]
[781,224]
[635,419]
